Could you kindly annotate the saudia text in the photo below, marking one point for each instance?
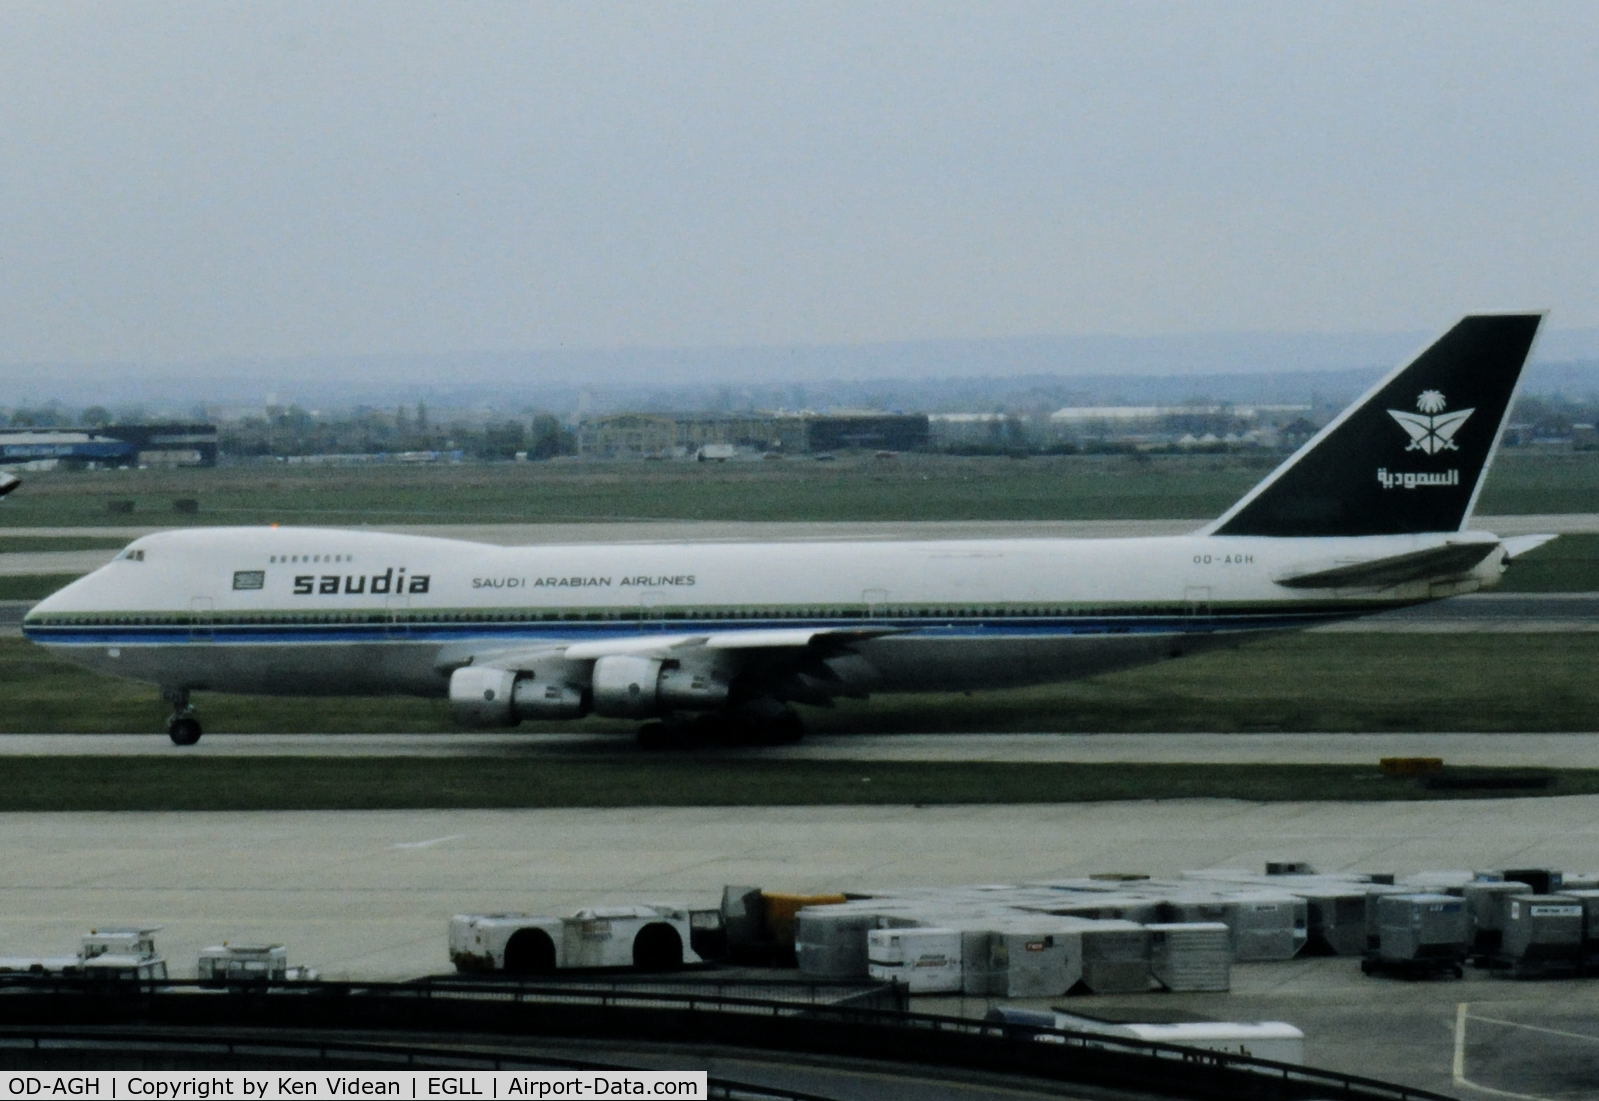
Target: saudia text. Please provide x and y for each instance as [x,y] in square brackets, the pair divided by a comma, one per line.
[1409,479]
[390,580]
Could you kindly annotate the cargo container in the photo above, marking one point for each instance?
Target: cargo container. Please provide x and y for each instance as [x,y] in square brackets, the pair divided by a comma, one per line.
[1419,935]
[1588,899]
[1488,910]
[1544,936]
[1027,957]
[1115,957]
[1335,918]
[1194,956]
[830,941]
[922,960]
[780,909]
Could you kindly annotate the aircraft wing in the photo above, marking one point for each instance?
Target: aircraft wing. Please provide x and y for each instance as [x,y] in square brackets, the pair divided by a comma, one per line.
[8,482]
[1448,560]
[785,663]
[772,639]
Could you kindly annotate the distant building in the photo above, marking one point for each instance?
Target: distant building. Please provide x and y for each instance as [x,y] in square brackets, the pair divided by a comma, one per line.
[686,435]
[113,445]
[866,431]
[1198,424]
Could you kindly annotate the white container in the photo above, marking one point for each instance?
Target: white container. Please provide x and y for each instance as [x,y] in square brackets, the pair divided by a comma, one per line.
[924,961]
[1277,1041]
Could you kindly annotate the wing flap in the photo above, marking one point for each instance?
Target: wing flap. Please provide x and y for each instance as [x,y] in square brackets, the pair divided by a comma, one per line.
[1448,560]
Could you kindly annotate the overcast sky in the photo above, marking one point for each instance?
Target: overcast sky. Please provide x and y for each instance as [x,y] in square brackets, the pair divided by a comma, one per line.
[187,181]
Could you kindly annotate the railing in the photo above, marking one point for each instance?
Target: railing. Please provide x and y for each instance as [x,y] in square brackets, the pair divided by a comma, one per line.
[701,1017]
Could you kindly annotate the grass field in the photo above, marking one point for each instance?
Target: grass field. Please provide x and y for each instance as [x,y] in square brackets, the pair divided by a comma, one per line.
[909,487]
[367,783]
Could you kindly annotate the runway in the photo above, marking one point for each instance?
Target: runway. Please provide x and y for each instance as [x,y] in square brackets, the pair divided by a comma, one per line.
[1483,750]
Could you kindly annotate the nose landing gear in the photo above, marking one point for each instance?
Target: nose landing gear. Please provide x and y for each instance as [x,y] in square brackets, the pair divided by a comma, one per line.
[182,727]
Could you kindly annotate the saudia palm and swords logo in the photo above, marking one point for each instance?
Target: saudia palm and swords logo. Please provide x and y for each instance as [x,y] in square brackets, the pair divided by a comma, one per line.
[1432,431]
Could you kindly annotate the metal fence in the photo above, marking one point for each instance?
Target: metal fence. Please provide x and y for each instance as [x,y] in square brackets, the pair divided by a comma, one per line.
[669,1015]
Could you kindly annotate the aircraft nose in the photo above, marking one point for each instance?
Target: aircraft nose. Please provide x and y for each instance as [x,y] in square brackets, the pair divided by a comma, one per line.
[55,603]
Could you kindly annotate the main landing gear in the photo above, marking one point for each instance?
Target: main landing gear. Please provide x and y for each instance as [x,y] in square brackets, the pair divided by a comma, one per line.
[182,727]
[753,724]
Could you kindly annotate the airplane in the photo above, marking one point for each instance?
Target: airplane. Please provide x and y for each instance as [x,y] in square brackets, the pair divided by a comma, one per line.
[8,482]
[725,639]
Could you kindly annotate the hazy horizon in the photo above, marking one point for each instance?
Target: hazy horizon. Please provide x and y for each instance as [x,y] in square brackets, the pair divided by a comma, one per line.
[229,185]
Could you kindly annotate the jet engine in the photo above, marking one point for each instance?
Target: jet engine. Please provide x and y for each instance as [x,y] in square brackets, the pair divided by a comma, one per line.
[484,696]
[632,687]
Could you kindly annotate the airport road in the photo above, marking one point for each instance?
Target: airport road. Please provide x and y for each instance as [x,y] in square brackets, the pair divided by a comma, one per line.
[1479,750]
[369,894]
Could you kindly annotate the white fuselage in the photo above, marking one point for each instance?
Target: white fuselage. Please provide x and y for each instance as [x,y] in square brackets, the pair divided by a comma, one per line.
[309,611]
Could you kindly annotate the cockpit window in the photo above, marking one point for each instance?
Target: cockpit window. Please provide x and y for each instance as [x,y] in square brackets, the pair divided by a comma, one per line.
[132,555]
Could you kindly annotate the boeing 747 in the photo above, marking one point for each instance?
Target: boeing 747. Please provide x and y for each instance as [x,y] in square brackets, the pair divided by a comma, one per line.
[1371,514]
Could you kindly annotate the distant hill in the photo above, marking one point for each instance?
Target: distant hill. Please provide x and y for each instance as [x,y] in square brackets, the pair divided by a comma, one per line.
[936,375]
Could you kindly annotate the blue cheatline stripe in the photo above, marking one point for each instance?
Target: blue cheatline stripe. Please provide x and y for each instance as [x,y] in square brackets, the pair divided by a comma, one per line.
[453,632]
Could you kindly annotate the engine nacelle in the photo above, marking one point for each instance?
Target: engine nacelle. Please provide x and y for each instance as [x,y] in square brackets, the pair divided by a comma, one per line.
[626,686]
[484,696]
[631,687]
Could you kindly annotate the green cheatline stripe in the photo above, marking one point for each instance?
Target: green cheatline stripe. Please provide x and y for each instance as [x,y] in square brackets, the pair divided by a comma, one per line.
[734,613]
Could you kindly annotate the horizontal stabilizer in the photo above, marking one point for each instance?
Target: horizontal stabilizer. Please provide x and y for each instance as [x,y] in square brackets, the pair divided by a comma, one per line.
[1434,563]
[1518,545]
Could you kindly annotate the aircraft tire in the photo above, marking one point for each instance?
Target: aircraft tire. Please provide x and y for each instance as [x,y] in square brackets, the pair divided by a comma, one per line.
[656,736]
[184,730]
[784,728]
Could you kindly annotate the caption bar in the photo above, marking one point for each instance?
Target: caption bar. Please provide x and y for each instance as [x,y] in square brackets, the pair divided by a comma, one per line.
[323,1086]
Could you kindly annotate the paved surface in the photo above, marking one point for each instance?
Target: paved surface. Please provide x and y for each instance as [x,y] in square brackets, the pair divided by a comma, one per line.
[1506,750]
[368,894]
